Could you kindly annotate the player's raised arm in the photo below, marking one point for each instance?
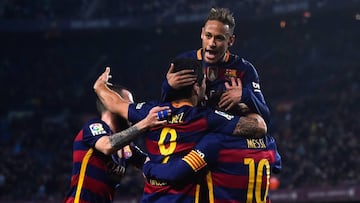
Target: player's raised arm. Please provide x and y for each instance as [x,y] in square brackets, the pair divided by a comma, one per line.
[111,100]
[109,144]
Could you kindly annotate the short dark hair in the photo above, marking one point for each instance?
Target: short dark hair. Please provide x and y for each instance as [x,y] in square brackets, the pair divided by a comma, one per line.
[121,123]
[187,64]
[223,15]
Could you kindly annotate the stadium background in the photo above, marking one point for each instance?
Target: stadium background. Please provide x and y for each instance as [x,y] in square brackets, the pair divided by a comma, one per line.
[306,53]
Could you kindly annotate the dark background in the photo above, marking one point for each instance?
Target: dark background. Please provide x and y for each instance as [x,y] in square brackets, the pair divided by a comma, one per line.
[52,52]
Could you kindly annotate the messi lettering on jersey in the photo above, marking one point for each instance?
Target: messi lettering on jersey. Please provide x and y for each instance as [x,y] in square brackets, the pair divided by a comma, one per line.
[256,143]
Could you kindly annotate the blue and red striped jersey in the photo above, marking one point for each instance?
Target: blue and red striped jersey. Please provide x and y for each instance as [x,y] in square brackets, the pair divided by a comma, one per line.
[221,72]
[239,169]
[185,128]
[90,180]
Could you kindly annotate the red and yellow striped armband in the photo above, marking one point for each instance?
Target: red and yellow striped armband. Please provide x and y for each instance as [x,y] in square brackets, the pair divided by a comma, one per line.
[195,160]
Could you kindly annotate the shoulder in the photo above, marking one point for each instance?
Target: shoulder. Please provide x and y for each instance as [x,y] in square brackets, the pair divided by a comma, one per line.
[95,127]
[240,61]
[270,140]
[144,105]
[188,54]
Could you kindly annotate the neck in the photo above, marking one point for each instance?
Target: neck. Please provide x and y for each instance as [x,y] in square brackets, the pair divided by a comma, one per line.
[107,117]
[192,101]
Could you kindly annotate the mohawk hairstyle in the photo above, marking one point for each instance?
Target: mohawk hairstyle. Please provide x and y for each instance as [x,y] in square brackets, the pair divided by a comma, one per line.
[223,15]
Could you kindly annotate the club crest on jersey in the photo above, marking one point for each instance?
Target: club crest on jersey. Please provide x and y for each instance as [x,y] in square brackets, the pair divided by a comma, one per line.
[229,73]
[97,129]
[212,73]
[127,153]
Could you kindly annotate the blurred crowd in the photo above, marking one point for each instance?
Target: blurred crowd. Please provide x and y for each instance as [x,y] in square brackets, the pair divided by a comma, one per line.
[95,9]
[308,70]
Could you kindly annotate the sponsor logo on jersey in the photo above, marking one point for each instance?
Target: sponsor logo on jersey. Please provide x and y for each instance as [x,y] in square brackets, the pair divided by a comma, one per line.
[139,105]
[256,87]
[97,129]
[227,116]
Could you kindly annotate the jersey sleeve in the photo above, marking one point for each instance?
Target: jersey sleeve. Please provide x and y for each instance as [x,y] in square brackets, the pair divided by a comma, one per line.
[171,171]
[278,162]
[139,111]
[94,130]
[206,151]
[252,95]
[221,122]
[166,91]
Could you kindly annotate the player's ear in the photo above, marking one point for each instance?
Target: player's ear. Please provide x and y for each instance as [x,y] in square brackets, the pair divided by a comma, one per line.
[196,88]
[202,33]
[231,40]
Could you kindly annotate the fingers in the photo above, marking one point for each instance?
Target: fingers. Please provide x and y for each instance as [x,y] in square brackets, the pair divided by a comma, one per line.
[224,101]
[171,69]
[185,72]
[146,160]
[186,80]
[107,70]
[227,86]
[235,83]
[226,104]
[161,113]
[107,76]
[185,77]
[181,79]
[239,84]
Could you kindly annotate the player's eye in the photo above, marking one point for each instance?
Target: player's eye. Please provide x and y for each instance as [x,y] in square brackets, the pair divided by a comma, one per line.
[220,38]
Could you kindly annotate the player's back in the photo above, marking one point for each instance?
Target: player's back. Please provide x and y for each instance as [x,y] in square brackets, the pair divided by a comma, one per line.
[242,169]
[90,181]
[186,127]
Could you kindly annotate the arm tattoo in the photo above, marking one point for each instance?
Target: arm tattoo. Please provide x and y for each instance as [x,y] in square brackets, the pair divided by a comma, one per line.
[120,139]
[248,127]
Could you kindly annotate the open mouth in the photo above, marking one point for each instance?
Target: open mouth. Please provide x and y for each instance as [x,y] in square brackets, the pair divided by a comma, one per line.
[210,54]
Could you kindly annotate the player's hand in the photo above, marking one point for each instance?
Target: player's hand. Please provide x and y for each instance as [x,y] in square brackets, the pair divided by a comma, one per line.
[232,96]
[158,116]
[103,79]
[138,157]
[146,160]
[243,108]
[181,78]
[117,167]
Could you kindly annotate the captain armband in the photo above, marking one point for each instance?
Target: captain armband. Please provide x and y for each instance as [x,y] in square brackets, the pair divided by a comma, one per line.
[195,159]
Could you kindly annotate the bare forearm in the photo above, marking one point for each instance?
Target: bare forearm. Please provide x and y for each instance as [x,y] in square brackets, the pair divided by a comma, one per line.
[112,100]
[120,139]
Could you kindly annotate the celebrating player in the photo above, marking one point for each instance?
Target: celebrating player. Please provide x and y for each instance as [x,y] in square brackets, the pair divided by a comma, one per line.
[220,66]
[186,126]
[95,173]
[238,169]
